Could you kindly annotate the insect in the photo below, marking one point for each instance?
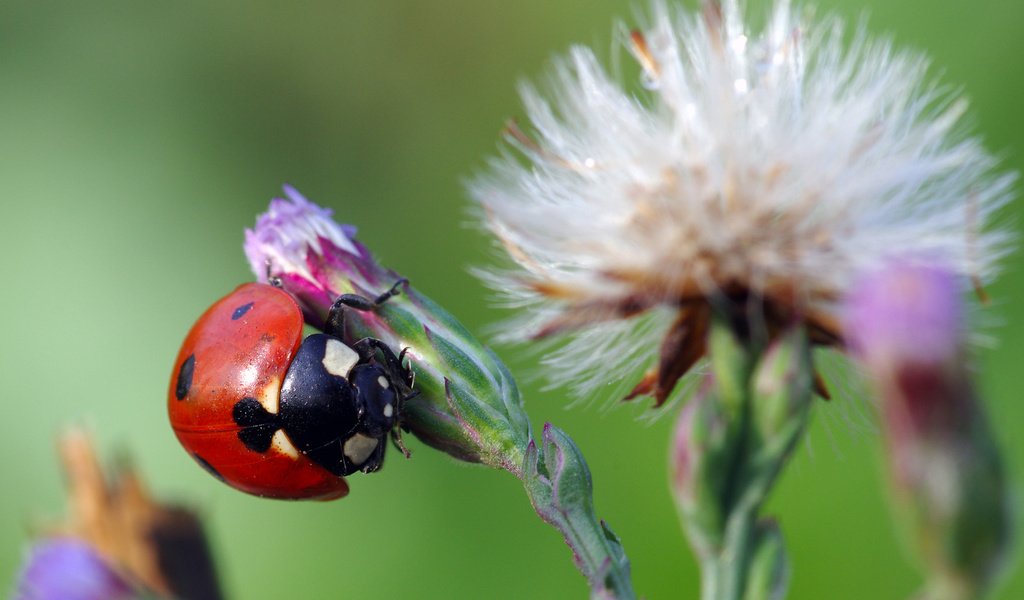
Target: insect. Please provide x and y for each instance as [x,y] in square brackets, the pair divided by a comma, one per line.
[279,416]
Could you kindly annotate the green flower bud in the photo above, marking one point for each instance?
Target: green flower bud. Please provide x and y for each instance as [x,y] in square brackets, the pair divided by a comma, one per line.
[468,404]
[703,453]
[560,488]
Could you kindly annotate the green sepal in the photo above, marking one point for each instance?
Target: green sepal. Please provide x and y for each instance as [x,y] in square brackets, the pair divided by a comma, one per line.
[708,442]
[732,362]
[769,570]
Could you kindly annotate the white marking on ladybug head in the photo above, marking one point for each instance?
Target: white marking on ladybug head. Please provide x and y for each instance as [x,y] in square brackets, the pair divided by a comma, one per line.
[339,358]
[270,395]
[389,410]
[284,445]
[382,382]
[359,447]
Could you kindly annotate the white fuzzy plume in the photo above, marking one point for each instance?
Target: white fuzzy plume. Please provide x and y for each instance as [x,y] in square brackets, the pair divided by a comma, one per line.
[780,161]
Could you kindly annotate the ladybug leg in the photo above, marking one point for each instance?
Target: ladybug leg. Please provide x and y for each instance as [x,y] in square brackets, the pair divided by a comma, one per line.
[336,316]
[365,304]
[396,439]
[366,348]
[272,279]
[393,291]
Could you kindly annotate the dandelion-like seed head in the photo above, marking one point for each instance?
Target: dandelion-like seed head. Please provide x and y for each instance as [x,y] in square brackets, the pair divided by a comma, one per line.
[759,172]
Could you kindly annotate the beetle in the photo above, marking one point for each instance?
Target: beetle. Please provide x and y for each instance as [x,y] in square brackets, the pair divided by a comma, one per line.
[279,416]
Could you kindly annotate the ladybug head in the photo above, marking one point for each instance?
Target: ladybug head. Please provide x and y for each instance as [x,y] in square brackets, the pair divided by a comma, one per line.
[383,387]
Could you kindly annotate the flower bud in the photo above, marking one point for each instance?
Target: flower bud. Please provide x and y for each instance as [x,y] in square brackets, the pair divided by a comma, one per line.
[558,482]
[739,430]
[906,326]
[702,454]
[468,404]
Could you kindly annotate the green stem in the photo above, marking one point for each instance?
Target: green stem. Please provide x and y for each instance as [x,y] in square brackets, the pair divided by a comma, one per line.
[557,480]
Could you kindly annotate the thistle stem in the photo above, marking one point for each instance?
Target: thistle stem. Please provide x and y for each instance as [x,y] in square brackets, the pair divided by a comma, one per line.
[557,480]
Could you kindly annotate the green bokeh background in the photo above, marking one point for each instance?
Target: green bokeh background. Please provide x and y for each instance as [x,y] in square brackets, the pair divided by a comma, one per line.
[137,139]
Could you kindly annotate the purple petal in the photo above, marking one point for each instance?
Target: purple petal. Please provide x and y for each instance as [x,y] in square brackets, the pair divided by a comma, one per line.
[288,230]
[906,313]
[69,569]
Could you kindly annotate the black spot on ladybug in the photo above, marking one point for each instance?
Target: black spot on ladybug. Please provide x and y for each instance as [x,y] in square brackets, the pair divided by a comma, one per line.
[241,310]
[258,425]
[209,468]
[267,338]
[185,377]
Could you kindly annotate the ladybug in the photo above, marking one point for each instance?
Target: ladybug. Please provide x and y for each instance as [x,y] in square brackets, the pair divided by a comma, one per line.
[279,416]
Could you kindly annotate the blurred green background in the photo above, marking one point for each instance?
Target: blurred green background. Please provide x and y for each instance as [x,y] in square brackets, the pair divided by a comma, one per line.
[137,139]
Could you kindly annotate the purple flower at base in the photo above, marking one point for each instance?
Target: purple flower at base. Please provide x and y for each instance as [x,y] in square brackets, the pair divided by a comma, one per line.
[906,326]
[69,569]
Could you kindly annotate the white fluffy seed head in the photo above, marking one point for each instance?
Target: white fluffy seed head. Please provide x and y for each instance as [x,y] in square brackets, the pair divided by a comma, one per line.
[778,163]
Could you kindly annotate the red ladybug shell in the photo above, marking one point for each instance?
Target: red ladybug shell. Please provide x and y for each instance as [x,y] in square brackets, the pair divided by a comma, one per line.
[241,348]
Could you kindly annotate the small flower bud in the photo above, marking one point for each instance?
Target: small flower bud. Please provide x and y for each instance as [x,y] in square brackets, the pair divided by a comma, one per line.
[740,399]
[69,569]
[558,481]
[906,325]
[702,454]
[468,405]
